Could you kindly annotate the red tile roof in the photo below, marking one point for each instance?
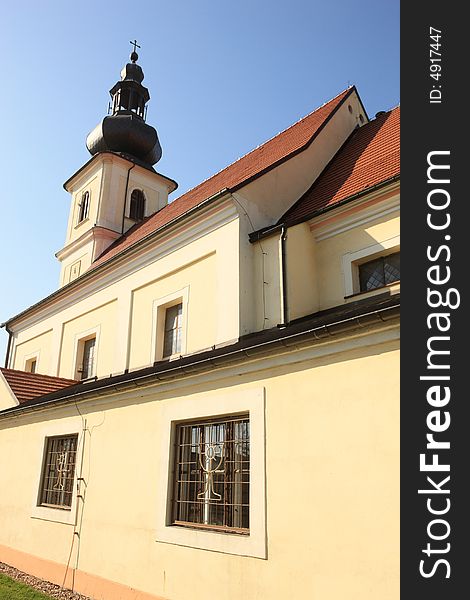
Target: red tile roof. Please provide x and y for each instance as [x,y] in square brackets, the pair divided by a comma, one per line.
[292,140]
[32,385]
[370,157]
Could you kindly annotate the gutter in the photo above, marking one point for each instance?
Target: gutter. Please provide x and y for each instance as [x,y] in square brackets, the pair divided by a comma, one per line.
[10,336]
[215,359]
[285,308]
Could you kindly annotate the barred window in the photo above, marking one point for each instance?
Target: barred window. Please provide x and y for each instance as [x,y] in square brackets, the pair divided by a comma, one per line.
[379,272]
[212,474]
[58,471]
[173,328]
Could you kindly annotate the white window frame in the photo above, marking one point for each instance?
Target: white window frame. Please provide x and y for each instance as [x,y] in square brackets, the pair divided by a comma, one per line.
[251,401]
[351,260]
[159,308]
[65,515]
[79,207]
[79,342]
[28,358]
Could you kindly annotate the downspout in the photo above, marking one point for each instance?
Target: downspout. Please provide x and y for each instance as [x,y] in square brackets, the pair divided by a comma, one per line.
[125,198]
[285,308]
[7,355]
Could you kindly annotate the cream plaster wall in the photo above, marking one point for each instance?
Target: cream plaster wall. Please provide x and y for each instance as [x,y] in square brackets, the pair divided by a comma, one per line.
[39,345]
[330,251]
[267,287]
[198,322]
[207,262]
[103,322]
[267,198]
[302,272]
[332,481]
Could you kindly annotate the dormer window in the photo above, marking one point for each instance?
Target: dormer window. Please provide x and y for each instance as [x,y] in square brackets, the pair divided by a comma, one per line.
[137,207]
[379,272]
[83,207]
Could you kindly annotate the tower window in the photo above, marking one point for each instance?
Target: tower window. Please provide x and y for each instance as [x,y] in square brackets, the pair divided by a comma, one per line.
[137,208]
[84,207]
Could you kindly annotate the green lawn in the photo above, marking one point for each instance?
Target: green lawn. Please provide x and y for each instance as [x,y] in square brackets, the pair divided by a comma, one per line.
[13,590]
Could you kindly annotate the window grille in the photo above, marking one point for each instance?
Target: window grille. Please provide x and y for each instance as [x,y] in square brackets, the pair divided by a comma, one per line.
[137,207]
[88,360]
[379,272]
[212,474]
[58,471]
[173,330]
[84,207]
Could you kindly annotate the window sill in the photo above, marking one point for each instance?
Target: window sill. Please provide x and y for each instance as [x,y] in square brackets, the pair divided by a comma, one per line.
[81,223]
[215,528]
[252,543]
[389,286]
[55,514]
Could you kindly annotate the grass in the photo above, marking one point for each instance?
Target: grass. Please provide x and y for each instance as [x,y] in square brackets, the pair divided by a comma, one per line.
[13,590]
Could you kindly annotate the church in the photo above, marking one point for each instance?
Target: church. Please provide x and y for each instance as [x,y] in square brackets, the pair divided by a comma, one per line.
[208,405]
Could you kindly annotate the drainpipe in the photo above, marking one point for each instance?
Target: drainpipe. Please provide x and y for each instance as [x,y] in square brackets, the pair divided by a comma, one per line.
[7,355]
[285,310]
[125,198]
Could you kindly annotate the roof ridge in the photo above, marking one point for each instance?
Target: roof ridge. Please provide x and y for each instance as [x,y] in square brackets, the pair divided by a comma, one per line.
[260,145]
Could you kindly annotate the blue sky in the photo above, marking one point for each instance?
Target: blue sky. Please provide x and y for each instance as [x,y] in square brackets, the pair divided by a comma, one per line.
[223,77]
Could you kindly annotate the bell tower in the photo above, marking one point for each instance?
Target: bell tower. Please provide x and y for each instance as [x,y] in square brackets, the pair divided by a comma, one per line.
[118,187]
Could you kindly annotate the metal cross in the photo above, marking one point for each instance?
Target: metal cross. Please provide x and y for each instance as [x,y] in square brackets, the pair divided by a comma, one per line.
[135,44]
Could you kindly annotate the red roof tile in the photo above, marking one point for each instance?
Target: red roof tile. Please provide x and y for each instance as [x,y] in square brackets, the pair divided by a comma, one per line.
[32,385]
[253,164]
[370,157]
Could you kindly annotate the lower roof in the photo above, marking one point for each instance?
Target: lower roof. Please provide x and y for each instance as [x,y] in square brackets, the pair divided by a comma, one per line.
[27,386]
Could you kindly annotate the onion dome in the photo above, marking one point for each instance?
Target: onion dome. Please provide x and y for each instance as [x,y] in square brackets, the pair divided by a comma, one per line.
[125,130]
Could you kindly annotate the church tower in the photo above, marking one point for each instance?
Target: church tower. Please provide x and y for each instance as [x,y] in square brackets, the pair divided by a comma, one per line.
[118,187]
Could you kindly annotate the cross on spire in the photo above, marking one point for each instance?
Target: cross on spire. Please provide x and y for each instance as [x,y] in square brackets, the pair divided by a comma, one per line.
[135,44]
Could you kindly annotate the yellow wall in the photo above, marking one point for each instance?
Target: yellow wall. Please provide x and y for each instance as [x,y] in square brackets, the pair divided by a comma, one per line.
[199,322]
[104,320]
[302,272]
[332,476]
[40,344]
[329,253]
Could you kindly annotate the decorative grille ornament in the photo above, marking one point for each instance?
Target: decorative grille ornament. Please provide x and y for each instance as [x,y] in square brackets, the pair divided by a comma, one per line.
[213,457]
[62,470]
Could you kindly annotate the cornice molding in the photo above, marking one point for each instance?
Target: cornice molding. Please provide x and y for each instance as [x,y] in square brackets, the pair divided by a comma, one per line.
[145,253]
[356,213]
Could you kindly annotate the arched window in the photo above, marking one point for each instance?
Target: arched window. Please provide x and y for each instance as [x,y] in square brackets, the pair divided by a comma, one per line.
[84,207]
[137,208]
